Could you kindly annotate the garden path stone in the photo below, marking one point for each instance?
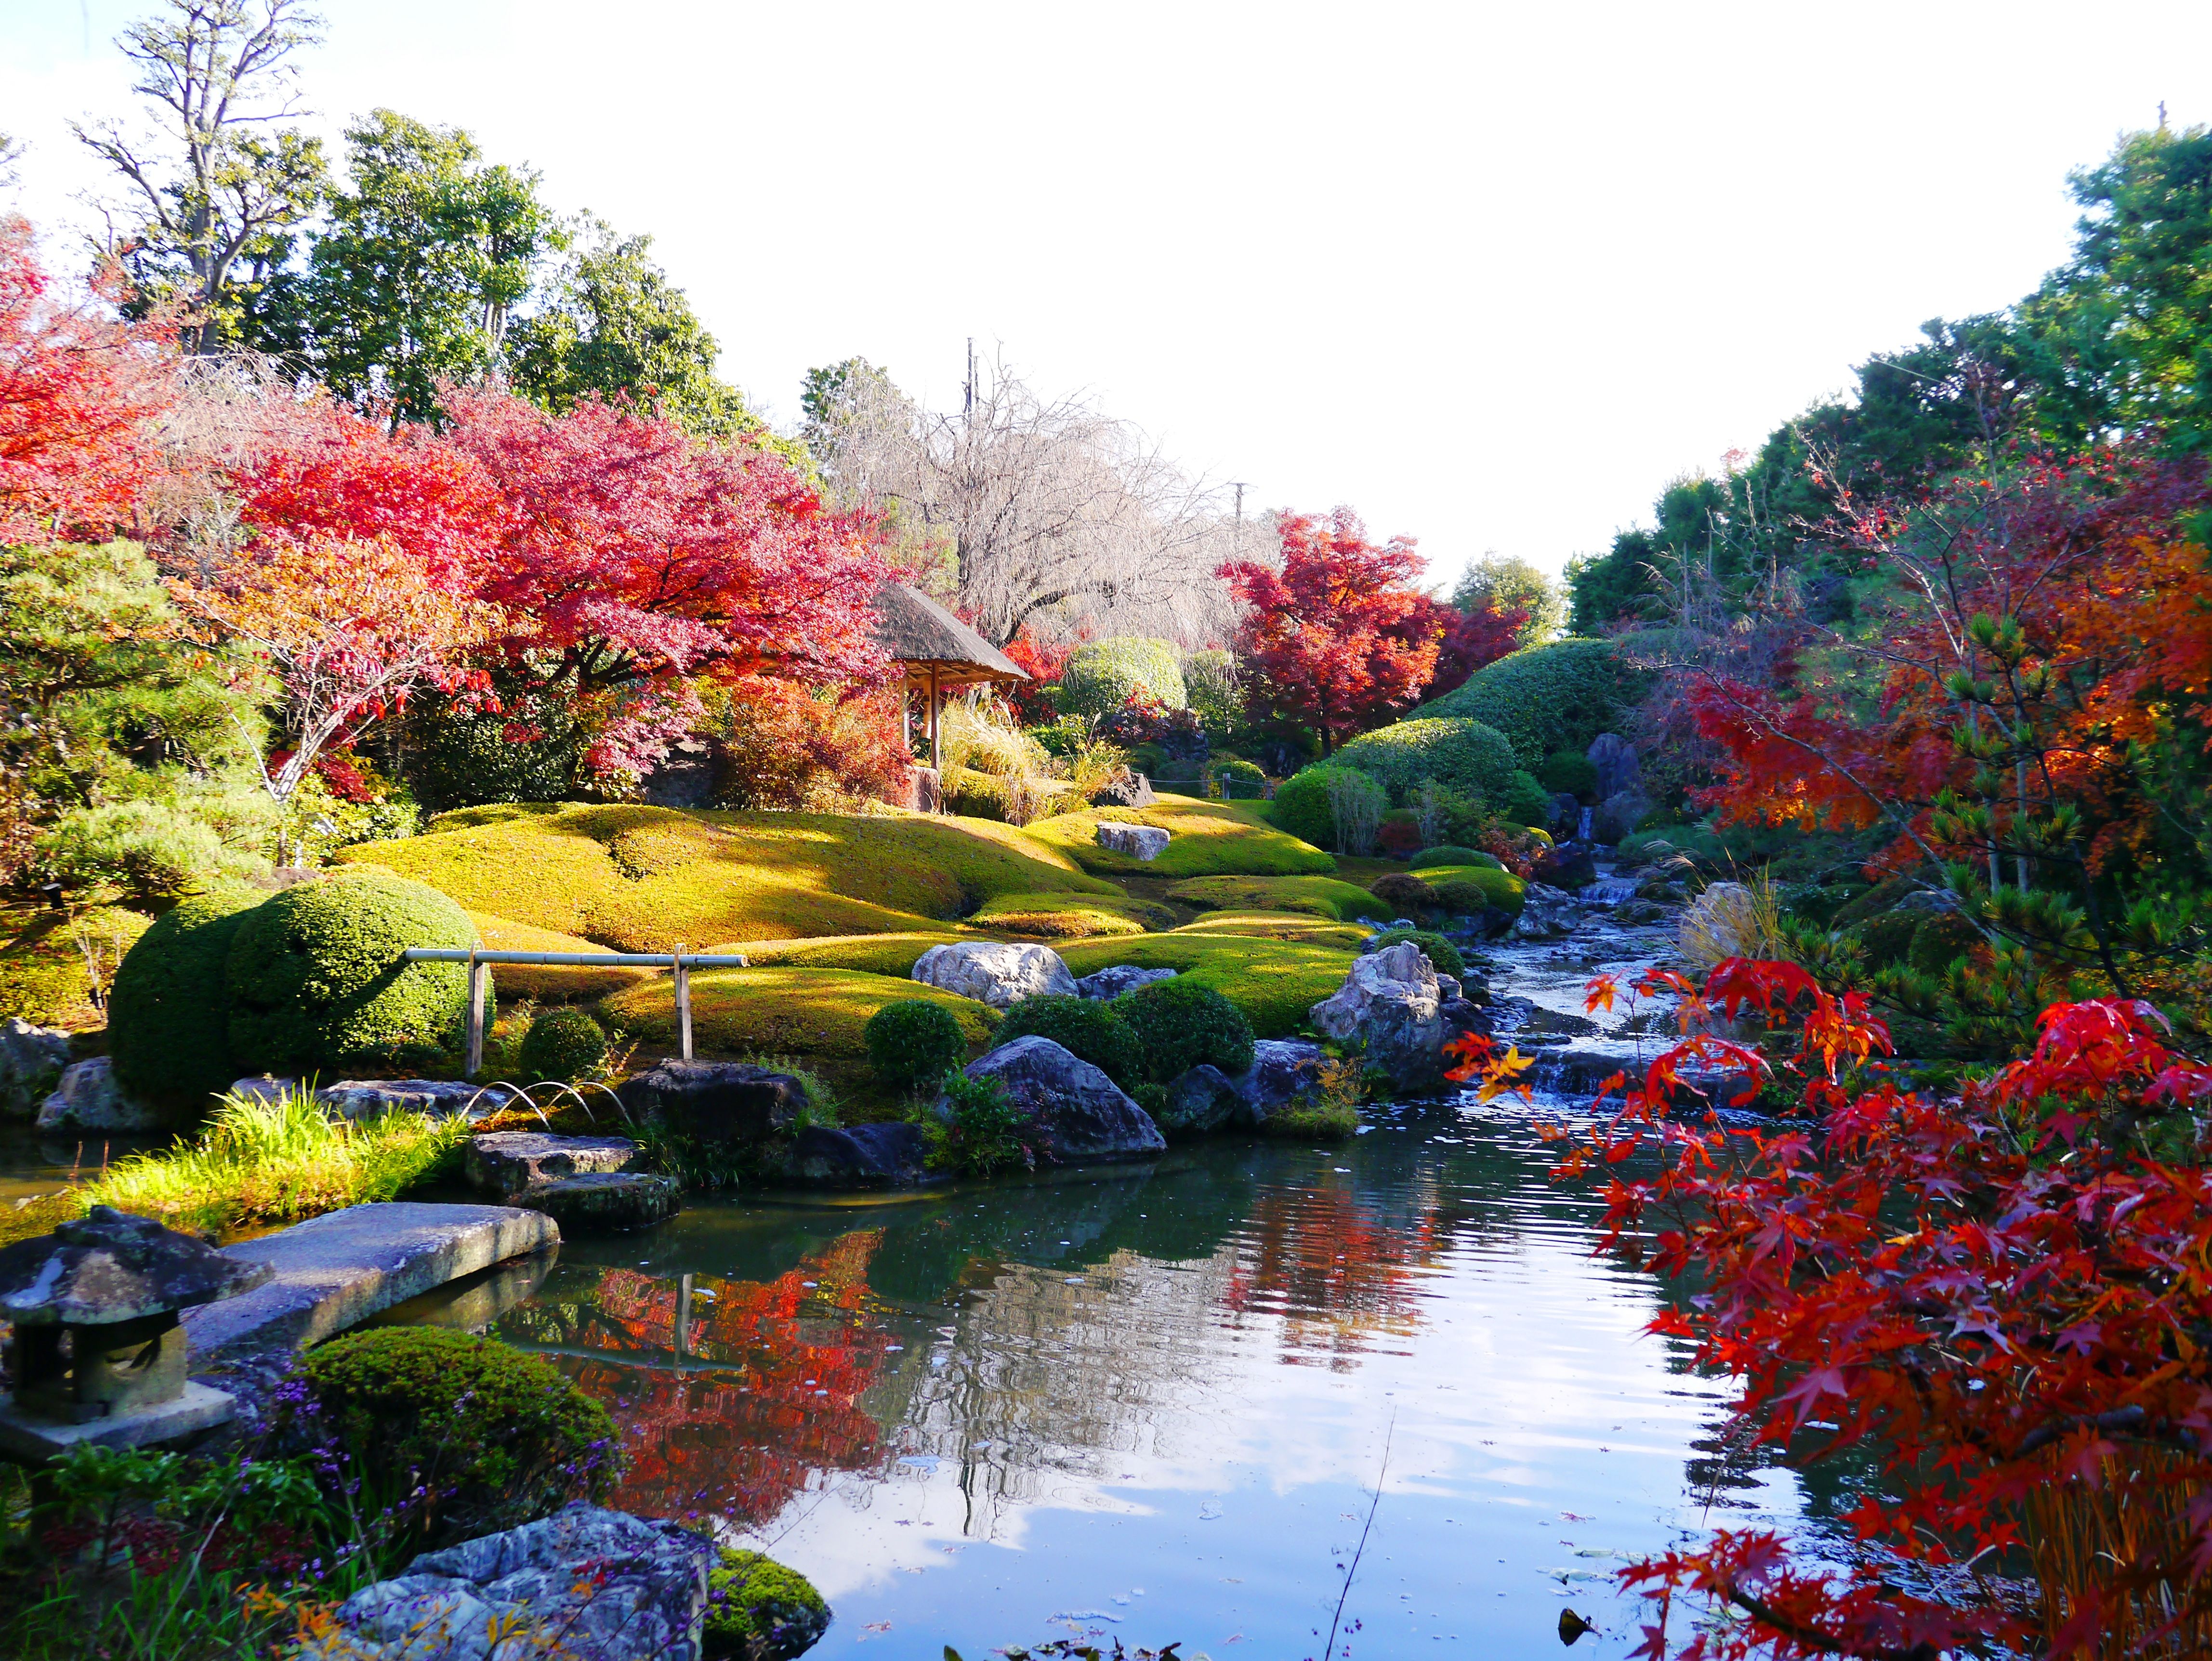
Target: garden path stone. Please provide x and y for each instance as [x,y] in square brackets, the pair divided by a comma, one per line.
[334,1271]
[725,1102]
[1144,842]
[866,1156]
[606,1201]
[1079,1115]
[594,1585]
[505,1162]
[1121,977]
[88,1098]
[995,973]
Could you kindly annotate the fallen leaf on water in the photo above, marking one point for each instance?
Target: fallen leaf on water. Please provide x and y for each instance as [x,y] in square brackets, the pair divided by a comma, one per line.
[1573,1626]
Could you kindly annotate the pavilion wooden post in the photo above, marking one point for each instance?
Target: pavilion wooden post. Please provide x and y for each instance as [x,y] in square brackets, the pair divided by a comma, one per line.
[683,1002]
[936,721]
[478,973]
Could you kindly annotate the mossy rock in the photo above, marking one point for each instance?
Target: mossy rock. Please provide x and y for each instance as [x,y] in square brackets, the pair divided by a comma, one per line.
[1272,982]
[1883,897]
[779,1010]
[759,1611]
[319,985]
[1319,897]
[1204,839]
[1073,916]
[43,974]
[643,879]
[168,1015]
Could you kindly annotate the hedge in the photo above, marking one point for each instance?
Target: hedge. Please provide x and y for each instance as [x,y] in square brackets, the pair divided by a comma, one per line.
[1549,698]
[169,1013]
[1459,754]
[1100,677]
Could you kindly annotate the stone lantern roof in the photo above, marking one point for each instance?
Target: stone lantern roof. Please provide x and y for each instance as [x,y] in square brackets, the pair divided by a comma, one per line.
[108,1267]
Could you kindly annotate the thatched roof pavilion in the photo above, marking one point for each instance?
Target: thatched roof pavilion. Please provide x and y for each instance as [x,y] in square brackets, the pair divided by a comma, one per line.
[938,652]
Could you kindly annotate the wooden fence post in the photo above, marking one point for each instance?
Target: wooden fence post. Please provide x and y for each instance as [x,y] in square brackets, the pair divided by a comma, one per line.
[683,1002]
[478,974]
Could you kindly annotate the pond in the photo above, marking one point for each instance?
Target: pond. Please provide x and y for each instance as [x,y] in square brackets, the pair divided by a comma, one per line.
[1162,1402]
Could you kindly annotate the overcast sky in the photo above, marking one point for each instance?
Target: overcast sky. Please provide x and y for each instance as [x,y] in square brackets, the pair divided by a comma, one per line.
[1491,274]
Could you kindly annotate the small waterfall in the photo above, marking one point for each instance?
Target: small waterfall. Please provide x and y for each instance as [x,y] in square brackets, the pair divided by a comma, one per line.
[1608,892]
[1582,831]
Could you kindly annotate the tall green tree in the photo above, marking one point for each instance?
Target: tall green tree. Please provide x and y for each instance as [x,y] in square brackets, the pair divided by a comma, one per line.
[1501,582]
[220,183]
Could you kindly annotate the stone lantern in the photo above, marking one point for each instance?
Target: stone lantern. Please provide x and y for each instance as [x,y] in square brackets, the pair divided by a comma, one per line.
[99,1353]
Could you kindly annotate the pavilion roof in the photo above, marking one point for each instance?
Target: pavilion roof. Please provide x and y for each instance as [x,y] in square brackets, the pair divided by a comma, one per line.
[922,634]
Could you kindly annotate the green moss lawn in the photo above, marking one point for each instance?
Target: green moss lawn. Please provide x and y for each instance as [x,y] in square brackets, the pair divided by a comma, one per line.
[1204,839]
[1316,896]
[781,1010]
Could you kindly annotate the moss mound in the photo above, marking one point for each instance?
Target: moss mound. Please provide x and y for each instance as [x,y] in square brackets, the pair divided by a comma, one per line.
[1073,916]
[495,1437]
[548,983]
[1087,1027]
[1272,982]
[759,1611]
[317,983]
[913,1041]
[895,955]
[43,977]
[1549,698]
[1457,751]
[1204,839]
[1454,885]
[1451,856]
[643,879]
[783,1011]
[168,1015]
[1312,930]
[1319,897]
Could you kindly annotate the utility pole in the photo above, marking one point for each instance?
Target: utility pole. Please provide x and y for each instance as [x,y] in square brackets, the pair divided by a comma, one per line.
[968,406]
[1238,485]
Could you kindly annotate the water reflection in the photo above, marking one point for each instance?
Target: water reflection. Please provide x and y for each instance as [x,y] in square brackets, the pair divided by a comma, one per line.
[1156,1401]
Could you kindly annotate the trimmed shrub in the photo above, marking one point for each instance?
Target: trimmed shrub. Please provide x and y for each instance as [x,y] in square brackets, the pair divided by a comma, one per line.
[1406,893]
[1887,939]
[1236,775]
[1271,970]
[565,1045]
[1454,856]
[494,1437]
[1099,677]
[1461,754]
[1941,940]
[1568,771]
[317,984]
[1549,698]
[911,1043]
[1469,891]
[169,1013]
[1180,1024]
[1302,805]
[1525,801]
[1087,1027]
[1399,833]
[1209,679]
[1441,955]
[759,1611]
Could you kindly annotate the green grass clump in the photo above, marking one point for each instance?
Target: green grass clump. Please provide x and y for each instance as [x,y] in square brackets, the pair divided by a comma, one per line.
[982,1130]
[1442,955]
[168,1015]
[643,879]
[1319,897]
[1073,916]
[277,1160]
[1460,753]
[912,1040]
[1450,855]
[1306,1119]
[1204,839]
[1500,890]
[759,1611]
[1550,697]
[1181,1024]
[51,968]
[871,954]
[1088,1028]
[783,1010]
[1272,982]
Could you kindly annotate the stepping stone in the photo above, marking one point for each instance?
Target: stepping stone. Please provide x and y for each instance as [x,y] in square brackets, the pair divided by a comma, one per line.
[507,1162]
[606,1201]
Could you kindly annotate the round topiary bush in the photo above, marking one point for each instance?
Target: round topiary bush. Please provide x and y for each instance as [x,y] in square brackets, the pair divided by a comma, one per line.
[1100,677]
[566,1044]
[1461,754]
[1550,697]
[759,1611]
[1180,1025]
[1405,891]
[913,1043]
[317,983]
[1470,893]
[1087,1027]
[1441,955]
[168,1013]
[1454,856]
[1302,805]
[1566,772]
[1524,801]
[494,1438]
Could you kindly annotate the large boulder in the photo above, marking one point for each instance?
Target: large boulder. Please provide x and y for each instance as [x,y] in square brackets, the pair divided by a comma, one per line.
[1121,977]
[1619,815]
[1283,1071]
[32,1062]
[505,1162]
[1547,914]
[1565,867]
[584,1582]
[1200,1099]
[605,1202]
[729,1103]
[1142,842]
[865,1156]
[88,1098]
[1618,768]
[1080,1115]
[1390,1006]
[994,973]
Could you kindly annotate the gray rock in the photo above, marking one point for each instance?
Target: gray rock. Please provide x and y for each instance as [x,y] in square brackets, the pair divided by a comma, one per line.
[441,1099]
[1079,1115]
[585,1583]
[1121,977]
[1566,813]
[88,1098]
[505,1162]
[1143,841]
[730,1102]
[866,1156]
[1388,1006]
[1618,768]
[1618,814]
[1547,914]
[1634,913]
[994,972]
[1928,899]
[1200,1100]
[1127,790]
[109,1266]
[31,1059]
[606,1201]
[1460,1017]
[1283,1071]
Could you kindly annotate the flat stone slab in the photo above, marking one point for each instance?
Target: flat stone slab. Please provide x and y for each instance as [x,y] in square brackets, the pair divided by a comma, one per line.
[334,1271]
[608,1200]
[36,1440]
[507,1162]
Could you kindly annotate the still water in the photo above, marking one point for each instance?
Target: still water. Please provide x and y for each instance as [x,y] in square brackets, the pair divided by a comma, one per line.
[1160,1403]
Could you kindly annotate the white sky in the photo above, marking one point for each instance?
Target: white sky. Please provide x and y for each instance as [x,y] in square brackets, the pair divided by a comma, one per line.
[1490,274]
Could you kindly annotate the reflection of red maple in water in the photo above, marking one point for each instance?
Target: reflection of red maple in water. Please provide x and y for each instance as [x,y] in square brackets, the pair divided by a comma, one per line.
[1336,1273]
[764,1398]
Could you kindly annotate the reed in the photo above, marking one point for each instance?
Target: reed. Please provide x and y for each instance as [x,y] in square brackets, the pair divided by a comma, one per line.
[2085,1541]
